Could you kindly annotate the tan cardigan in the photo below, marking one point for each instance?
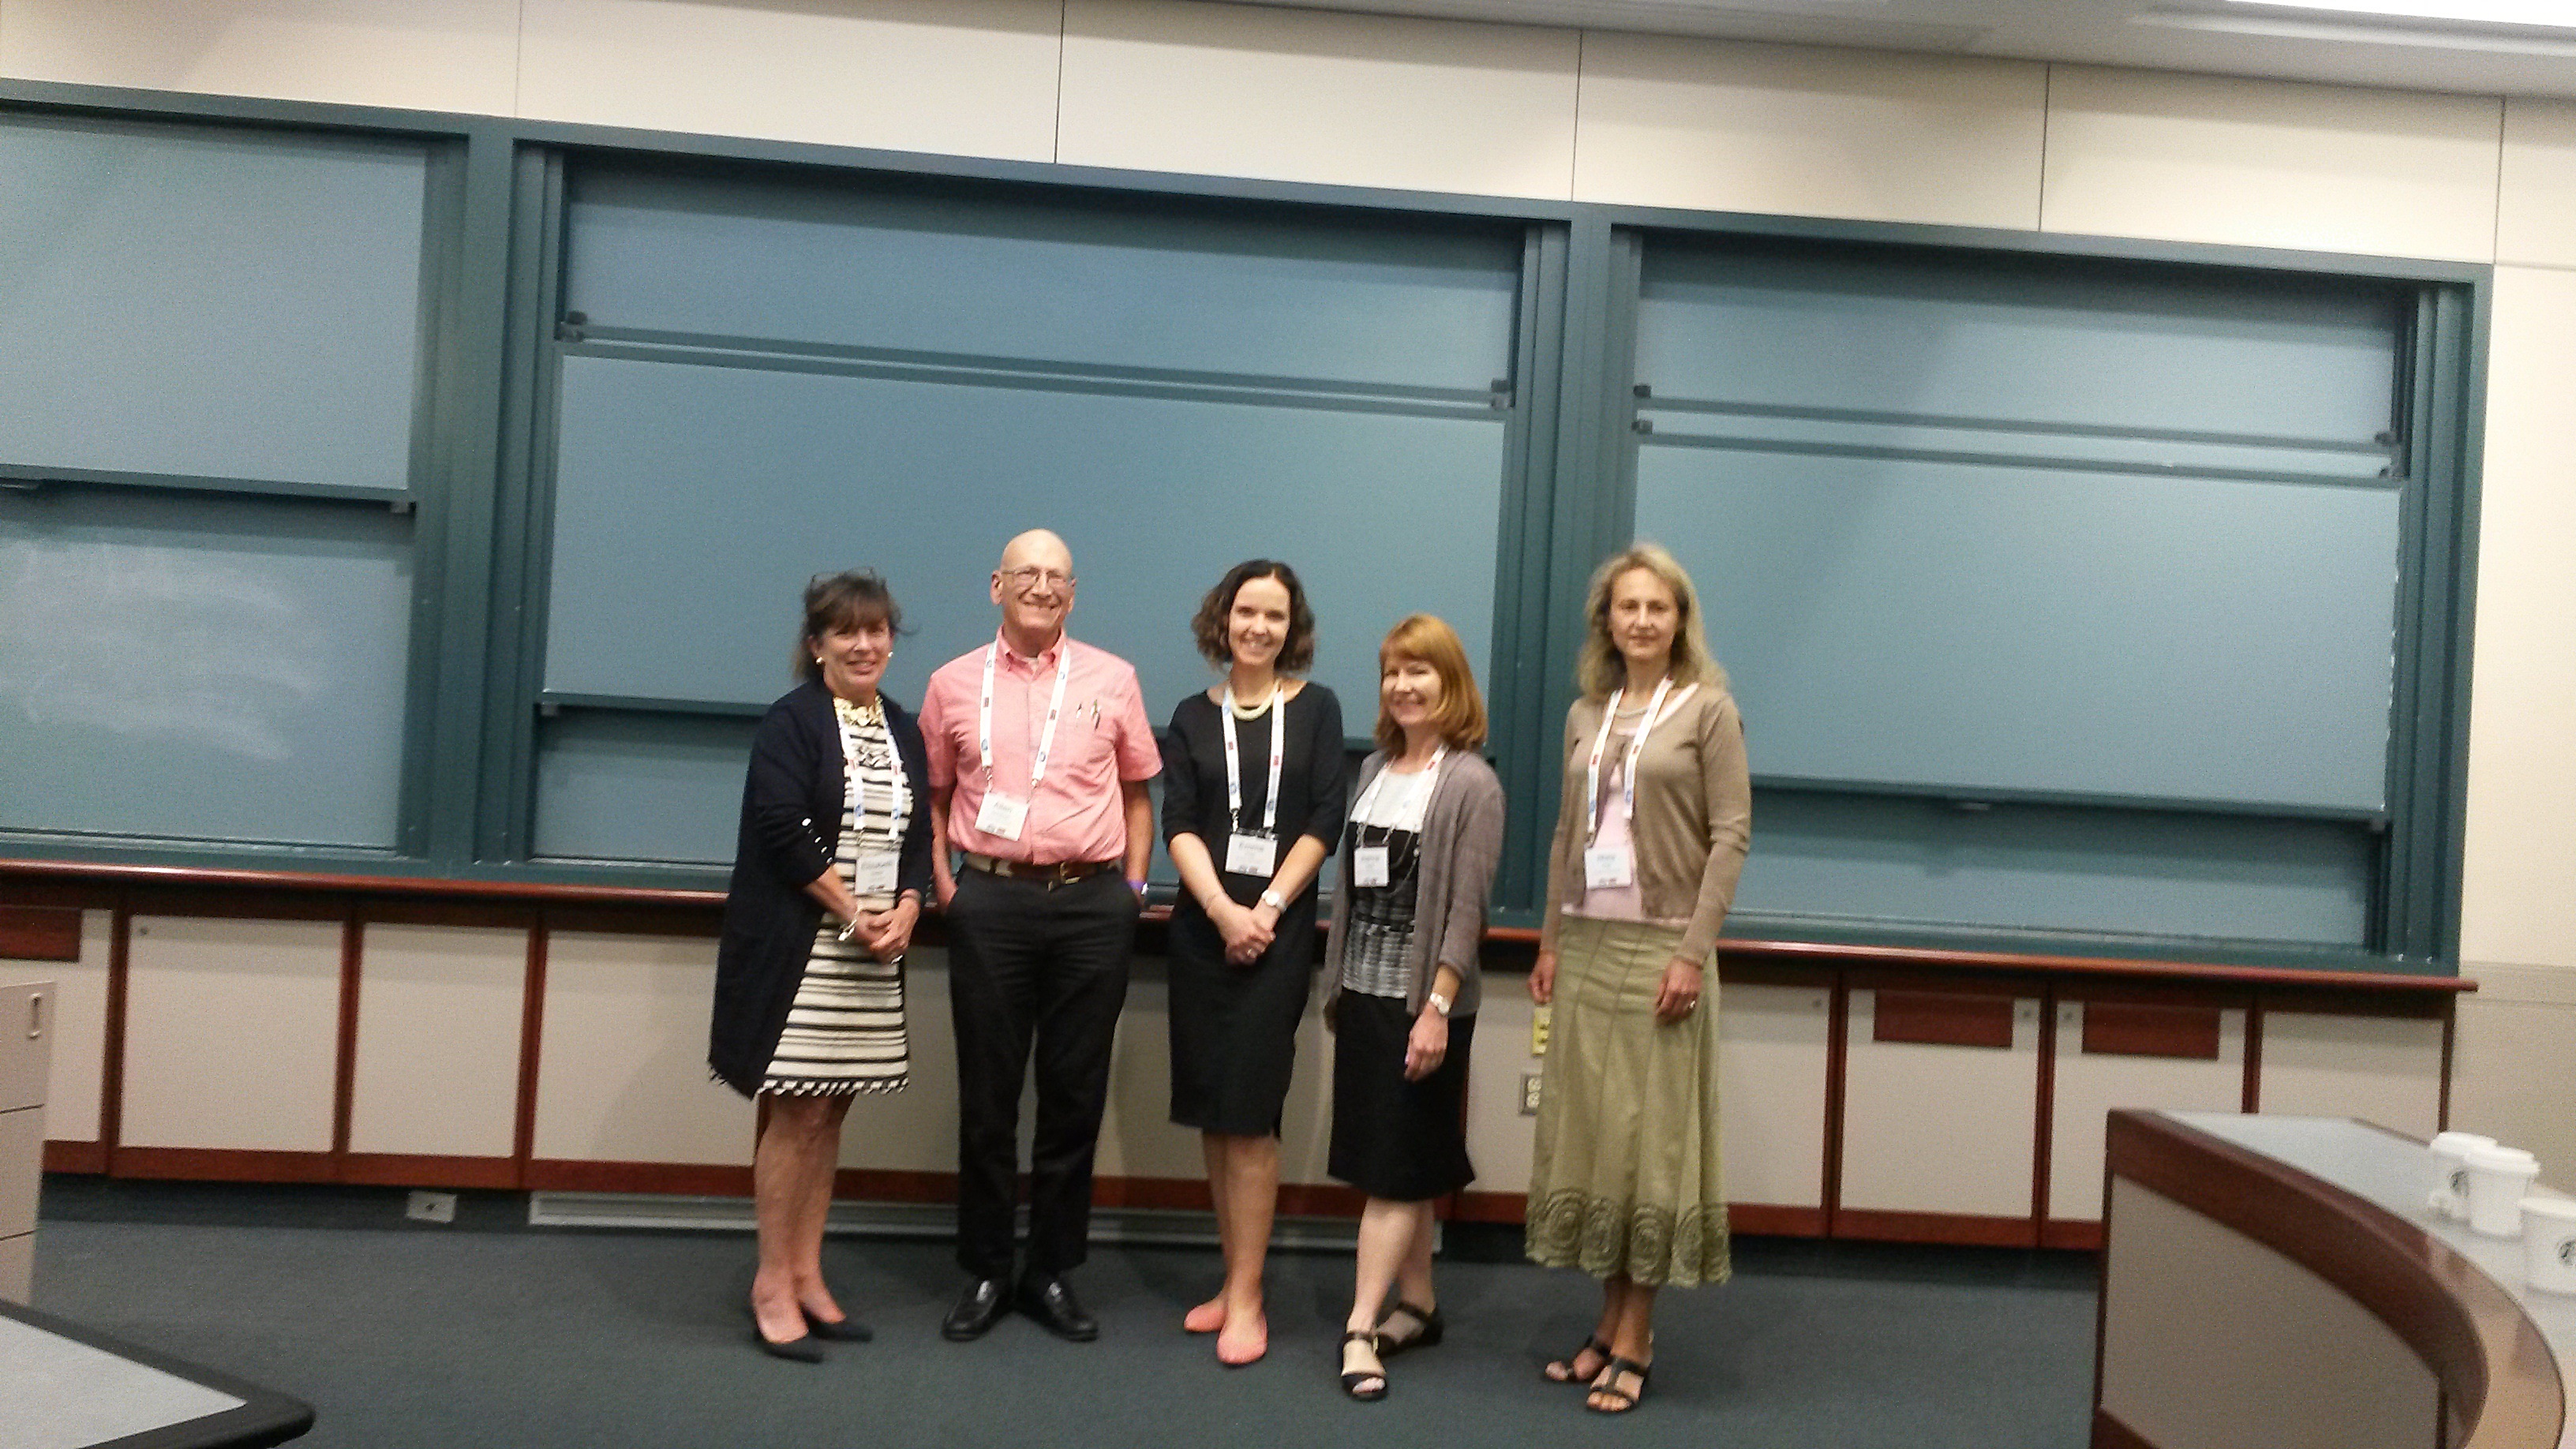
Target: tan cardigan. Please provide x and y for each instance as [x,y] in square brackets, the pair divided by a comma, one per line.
[1694,816]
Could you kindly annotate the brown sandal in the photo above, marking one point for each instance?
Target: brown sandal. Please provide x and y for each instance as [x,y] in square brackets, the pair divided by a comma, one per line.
[1607,1386]
[1561,1371]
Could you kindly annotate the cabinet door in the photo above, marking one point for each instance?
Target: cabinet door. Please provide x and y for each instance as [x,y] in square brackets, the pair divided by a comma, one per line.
[231,1033]
[22,1152]
[1774,1050]
[26,1042]
[2113,1054]
[1940,1114]
[2381,1069]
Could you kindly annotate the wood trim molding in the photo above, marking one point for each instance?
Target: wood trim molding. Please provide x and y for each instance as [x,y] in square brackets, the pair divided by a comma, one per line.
[1942,1018]
[552,1174]
[1796,962]
[2110,1433]
[223,1164]
[88,1157]
[344,1049]
[40,933]
[1966,1229]
[2139,1029]
[2075,1233]
[1774,1220]
[407,1169]
[532,1026]
[2493,1369]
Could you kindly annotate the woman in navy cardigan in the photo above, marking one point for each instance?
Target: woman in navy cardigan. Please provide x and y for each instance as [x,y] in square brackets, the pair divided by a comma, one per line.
[829,875]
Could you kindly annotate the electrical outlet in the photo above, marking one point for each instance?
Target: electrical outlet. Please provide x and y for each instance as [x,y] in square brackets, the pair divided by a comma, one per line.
[1529,1094]
[431,1207]
[1538,1030]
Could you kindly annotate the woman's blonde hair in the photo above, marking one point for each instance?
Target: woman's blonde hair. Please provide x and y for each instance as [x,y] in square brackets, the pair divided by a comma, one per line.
[1599,669]
[1460,717]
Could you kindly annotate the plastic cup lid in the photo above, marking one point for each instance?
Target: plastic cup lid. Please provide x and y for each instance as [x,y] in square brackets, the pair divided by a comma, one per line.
[2503,1159]
[2460,1142]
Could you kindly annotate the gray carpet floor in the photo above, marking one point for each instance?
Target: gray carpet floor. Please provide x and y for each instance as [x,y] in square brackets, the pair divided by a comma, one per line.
[487,1333]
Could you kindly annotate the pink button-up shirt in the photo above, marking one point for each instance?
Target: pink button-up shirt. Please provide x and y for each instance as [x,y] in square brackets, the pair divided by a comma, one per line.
[1102,740]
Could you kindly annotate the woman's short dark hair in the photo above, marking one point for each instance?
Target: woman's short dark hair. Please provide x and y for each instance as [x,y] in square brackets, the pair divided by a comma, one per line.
[852,599]
[1208,626]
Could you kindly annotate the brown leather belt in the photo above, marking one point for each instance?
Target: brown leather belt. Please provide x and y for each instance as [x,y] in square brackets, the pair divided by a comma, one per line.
[1059,873]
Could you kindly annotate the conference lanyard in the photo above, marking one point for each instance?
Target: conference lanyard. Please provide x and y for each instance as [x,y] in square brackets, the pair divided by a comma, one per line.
[1234,763]
[1628,769]
[1371,867]
[1055,707]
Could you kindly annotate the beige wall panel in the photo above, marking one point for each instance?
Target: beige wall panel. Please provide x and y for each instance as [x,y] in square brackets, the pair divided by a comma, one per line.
[1501,1142]
[914,1130]
[26,1040]
[2536,207]
[437,1070]
[2089,1086]
[2510,1074]
[78,1015]
[2270,163]
[231,1033]
[2383,1070]
[2281,1358]
[1299,95]
[961,77]
[622,1062]
[457,55]
[2518,853]
[1137,1138]
[1870,135]
[1774,1043]
[1940,1129]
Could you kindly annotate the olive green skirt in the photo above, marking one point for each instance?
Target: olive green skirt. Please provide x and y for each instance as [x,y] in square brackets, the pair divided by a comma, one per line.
[1626,1180]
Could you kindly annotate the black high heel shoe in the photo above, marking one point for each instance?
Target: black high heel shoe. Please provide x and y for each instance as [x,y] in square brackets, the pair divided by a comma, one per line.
[846,1330]
[804,1348]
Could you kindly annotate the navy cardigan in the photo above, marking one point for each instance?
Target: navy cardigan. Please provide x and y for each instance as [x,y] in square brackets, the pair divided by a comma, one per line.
[795,804]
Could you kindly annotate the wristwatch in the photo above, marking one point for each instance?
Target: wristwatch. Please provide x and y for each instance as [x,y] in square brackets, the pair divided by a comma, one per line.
[1271,899]
[1439,1003]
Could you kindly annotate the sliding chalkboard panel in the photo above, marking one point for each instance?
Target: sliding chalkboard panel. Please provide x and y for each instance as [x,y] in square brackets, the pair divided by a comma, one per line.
[1100,282]
[1993,527]
[692,502]
[187,302]
[202,668]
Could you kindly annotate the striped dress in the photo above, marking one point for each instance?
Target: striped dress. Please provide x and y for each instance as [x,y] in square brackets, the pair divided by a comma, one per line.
[844,1032]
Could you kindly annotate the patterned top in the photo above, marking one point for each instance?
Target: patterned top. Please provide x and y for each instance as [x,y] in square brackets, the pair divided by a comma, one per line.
[845,1032]
[1381,917]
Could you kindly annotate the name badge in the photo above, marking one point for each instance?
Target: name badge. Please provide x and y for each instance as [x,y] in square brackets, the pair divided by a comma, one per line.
[1002,815]
[1608,865]
[1368,866]
[874,874]
[1251,855]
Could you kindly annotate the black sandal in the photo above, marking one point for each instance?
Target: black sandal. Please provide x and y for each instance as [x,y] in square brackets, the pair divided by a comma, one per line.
[1433,1329]
[1591,1344]
[1351,1381]
[1608,1385]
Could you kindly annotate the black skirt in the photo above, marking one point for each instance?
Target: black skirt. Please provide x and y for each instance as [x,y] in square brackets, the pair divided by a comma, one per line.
[1234,1028]
[1394,1139]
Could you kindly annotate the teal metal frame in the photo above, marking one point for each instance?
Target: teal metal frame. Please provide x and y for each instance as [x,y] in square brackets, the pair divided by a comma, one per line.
[482,463]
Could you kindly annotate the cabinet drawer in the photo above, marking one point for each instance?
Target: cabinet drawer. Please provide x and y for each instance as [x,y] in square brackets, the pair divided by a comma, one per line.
[26,1042]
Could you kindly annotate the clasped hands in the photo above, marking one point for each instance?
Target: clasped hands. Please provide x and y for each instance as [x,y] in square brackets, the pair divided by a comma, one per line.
[1247,930]
[886,934]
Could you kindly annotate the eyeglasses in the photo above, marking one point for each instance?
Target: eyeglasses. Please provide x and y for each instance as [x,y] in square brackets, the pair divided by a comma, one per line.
[1025,579]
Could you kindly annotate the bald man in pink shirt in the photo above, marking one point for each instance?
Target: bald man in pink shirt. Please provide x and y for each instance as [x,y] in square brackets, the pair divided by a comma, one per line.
[1040,755]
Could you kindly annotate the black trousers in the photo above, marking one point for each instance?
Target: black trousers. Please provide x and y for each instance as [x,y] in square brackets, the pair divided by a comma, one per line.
[1033,966]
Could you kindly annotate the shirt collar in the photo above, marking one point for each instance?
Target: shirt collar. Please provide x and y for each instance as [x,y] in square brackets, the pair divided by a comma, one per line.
[1044,661]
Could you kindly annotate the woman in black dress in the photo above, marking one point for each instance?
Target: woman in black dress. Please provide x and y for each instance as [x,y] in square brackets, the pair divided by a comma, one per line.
[830,870]
[1425,834]
[1252,802]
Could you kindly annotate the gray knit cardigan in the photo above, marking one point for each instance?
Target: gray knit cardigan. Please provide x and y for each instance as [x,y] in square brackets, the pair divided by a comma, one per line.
[1462,841]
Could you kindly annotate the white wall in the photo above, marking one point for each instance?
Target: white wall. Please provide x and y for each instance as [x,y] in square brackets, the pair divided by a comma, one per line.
[1310,96]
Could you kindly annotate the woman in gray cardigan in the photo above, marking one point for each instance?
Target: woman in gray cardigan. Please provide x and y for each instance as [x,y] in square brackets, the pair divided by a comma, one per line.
[1418,860]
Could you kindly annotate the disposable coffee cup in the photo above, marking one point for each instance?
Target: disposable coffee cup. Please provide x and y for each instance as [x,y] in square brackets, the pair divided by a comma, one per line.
[2499,1177]
[2549,1243]
[2449,1195]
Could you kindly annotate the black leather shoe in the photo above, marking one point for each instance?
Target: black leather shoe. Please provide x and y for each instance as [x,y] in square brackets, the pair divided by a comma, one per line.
[978,1309]
[842,1330]
[1051,1303]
